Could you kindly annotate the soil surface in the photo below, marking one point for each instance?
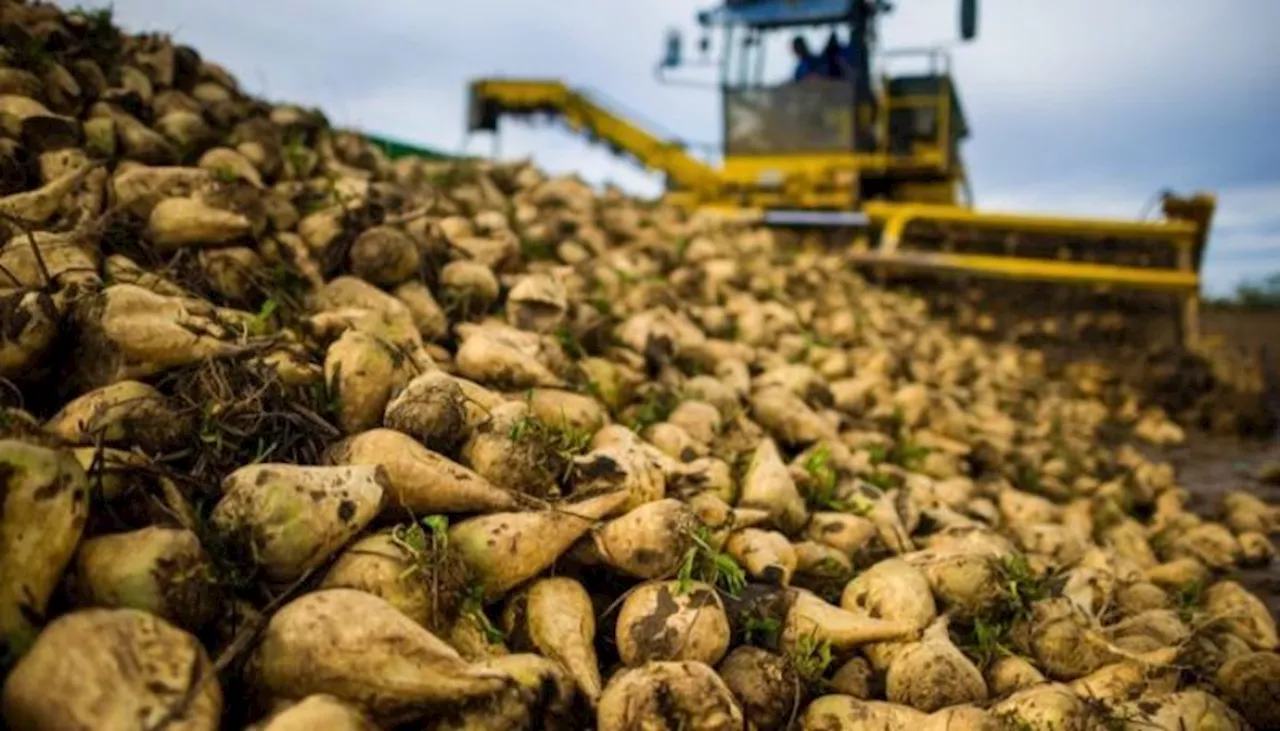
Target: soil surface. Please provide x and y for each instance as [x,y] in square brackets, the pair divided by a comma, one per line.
[1209,468]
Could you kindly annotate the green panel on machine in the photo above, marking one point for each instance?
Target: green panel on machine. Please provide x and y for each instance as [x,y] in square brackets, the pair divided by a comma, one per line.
[396,149]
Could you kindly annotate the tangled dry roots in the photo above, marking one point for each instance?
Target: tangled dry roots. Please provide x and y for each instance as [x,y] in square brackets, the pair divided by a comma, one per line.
[243,411]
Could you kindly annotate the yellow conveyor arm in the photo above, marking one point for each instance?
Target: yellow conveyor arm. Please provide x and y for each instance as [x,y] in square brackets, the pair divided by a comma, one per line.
[492,98]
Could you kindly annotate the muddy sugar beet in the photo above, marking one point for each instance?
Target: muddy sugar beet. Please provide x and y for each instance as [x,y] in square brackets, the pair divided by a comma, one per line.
[297,436]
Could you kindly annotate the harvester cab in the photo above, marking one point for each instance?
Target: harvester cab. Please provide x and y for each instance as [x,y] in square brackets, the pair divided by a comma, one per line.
[865,146]
[815,145]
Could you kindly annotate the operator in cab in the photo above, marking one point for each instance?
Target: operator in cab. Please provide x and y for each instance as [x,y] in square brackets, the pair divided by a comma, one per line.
[808,66]
[837,59]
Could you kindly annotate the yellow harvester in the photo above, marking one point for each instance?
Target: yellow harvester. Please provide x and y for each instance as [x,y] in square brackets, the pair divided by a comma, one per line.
[880,155]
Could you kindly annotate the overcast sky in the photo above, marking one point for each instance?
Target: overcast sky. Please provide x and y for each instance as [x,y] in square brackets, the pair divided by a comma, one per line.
[1089,106]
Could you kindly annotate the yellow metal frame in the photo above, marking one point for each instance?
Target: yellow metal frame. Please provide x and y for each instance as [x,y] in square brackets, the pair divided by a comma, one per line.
[1049,270]
[896,216]
[893,218]
[1183,280]
[747,168]
[585,115]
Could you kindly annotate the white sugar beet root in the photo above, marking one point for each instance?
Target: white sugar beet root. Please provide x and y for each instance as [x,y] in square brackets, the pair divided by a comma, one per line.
[431,408]
[503,550]
[764,684]
[809,618]
[649,541]
[362,371]
[164,571]
[665,620]
[290,519]
[541,695]
[358,648]
[314,712]
[419,480]
[555,617]
[892,588]
[130,332]
[73,677]
[424,583]
[684,694]
[43,510]
[21,349]
[1251,682]
[769,486]
[123,412]
[847,712]
[932,674]
[767,556]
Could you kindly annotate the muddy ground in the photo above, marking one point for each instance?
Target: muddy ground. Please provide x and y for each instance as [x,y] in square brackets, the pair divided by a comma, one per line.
[1210,467]
[1256,332]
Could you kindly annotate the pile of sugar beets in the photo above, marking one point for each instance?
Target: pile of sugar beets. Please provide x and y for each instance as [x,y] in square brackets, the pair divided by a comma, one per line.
[297,437]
